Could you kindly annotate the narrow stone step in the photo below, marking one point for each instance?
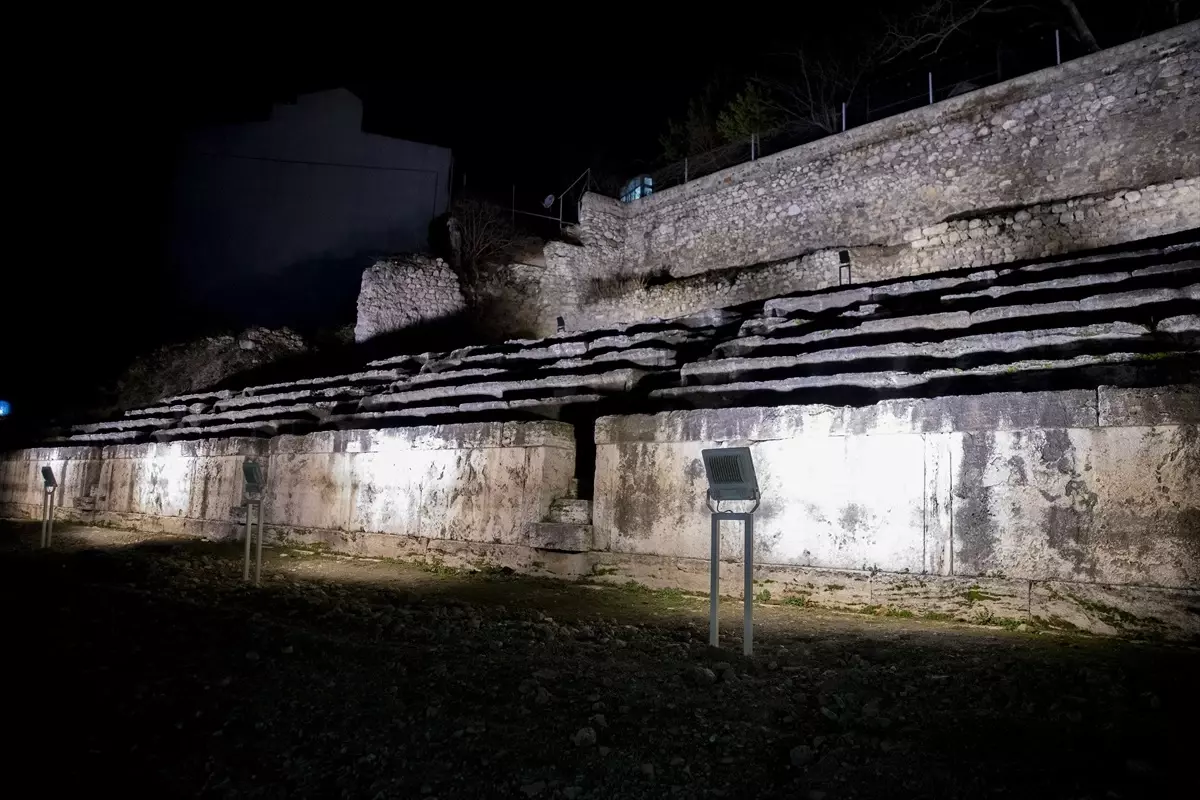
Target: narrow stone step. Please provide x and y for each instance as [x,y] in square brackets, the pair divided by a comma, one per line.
[110,437]
[260,428]
[353,379]
[961,320]
[654,357]
[573,511]
[310,411]
[125,424]
[559,536]
[311,395]
[899,380]
[1184,324]
[620,380]
[197,397]
[1014,342]
[1073,282]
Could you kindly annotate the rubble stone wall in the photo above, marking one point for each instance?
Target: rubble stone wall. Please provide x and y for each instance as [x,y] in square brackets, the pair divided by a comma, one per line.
[402,293]
[1098,151]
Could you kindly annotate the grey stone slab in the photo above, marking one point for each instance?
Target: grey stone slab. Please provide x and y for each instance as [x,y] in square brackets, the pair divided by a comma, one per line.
[178,410]
[624,342]
[816,303]
[1160,405]
[1161,269]
[378,376]
[529,403]
[255,428]
[655,357]
[109,437]
[993,411]
[307,395]
[898,380]
[310,411]
[924,285]
[367,419]
[198,397]
[562,536]
[1186,323]
[449,375]
[1073,282]
[570,510]
[533,352]
[618,380]
[125,424]
[1011,342]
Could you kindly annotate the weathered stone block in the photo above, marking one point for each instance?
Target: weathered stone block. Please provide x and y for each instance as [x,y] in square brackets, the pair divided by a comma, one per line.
[1161,405]
[566,537]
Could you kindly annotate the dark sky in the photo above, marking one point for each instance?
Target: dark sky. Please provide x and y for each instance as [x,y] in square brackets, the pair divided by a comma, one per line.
[96,117]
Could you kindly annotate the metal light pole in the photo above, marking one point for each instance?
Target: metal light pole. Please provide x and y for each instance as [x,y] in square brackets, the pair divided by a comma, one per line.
[730,472]
[50,485]
[252,492]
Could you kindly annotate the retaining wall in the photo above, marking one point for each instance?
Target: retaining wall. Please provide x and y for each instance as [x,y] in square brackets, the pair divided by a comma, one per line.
[1098,151]
[1083,506]
[374,492]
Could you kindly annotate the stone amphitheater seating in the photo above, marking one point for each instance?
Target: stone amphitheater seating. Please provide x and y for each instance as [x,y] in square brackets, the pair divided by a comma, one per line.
[1130,317]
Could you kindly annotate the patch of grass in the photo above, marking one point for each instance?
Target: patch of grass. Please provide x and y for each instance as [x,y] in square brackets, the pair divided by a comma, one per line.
[1116,617]
[974,594]
[886,611]
[834,587]
[763,596]
[799,601]
[938,616]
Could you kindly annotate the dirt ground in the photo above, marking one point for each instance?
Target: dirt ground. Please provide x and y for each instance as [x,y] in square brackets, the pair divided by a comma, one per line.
[144,664]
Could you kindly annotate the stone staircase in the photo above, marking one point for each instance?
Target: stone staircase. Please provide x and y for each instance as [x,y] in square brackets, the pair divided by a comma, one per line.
[1118,318]
[568,526]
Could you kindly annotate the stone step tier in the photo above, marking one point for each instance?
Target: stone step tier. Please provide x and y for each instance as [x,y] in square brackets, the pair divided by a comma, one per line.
[1122,318]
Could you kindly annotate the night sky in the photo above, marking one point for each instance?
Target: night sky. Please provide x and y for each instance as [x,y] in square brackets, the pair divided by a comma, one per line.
[95,130]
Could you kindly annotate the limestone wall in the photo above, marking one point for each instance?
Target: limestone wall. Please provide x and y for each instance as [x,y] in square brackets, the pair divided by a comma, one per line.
[480,482]
[402,293]
[1021,496]
[1097,151]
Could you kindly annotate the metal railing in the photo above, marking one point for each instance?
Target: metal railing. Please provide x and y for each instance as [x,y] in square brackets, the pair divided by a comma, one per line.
[893,95]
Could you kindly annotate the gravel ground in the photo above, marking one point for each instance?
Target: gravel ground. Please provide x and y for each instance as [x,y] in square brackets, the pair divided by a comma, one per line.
[144,665]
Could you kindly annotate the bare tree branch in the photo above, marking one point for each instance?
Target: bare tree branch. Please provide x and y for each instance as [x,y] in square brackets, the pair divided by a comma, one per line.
[1081,27]
[929,28]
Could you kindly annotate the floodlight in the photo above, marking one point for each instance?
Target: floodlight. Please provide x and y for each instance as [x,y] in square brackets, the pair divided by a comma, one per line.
[5,408]
[730,474]
[48,478]
[253,475]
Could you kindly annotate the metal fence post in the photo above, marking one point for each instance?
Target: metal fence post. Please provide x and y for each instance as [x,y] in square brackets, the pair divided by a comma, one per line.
[843,117]
[246,555]
[714,581]
[748,590]
[685,169]
[930,88]
[1057,48]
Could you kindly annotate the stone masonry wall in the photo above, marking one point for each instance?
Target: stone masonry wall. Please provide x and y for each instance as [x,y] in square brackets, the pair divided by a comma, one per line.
[1116,120]
[1097,151]
[468,482]
[1077,505]
[405,292]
